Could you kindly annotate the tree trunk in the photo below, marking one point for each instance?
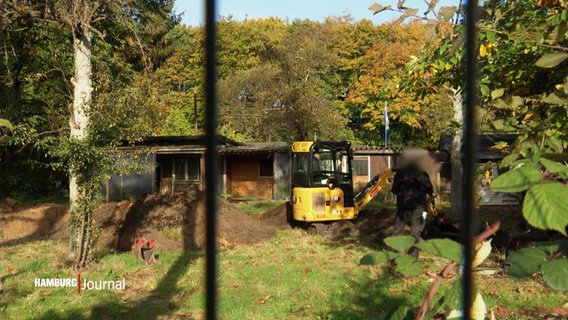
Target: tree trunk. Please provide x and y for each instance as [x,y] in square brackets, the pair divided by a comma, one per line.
[78,123]
[456,198]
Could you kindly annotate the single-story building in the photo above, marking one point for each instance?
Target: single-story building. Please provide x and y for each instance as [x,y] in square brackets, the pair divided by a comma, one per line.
[173,164]
[261,170]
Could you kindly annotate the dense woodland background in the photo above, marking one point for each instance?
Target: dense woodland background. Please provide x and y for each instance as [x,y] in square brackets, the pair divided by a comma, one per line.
[278,81]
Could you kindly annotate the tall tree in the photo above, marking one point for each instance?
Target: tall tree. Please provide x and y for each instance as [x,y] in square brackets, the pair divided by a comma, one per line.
[415,121]
[84,20]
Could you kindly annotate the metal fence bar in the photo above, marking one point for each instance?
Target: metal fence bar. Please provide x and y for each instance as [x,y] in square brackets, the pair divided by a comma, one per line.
[469,150]
[211,158]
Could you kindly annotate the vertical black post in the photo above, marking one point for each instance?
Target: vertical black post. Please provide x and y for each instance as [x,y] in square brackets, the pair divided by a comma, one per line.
[469,149]
[211,158]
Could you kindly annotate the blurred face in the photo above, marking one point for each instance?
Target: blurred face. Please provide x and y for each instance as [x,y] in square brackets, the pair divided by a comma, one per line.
[412,156]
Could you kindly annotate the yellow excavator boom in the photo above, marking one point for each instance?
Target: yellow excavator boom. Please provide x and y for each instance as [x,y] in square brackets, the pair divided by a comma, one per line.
[370,190]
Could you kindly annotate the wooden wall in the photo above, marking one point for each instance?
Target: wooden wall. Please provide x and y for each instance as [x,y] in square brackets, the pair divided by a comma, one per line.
[243,177]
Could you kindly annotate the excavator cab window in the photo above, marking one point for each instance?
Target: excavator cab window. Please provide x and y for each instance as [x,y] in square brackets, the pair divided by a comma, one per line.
[300,169]
[329,164]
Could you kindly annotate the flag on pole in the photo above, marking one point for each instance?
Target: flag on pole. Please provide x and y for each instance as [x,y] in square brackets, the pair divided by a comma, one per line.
[387,128]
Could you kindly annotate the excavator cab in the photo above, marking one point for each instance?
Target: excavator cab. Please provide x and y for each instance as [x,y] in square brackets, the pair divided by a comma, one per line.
[322,182]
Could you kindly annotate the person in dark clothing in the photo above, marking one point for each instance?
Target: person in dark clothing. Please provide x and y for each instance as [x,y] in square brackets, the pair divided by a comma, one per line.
[412,188]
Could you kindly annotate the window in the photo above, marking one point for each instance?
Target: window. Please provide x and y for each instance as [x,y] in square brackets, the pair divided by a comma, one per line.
[300,162]
[180,167]
[265,168]
[361,166]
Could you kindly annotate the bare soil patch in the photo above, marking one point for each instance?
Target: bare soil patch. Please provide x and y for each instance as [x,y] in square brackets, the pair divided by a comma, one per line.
[279,217]
[44,220]
[373,224]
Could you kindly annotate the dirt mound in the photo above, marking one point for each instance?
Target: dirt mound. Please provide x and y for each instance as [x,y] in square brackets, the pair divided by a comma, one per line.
[278,217]
[174,221]
[162,216]
[51,221]
[368,224]
[45,220]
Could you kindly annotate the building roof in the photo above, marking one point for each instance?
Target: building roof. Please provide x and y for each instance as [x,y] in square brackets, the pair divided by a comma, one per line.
[198,141]
[375,150]
[256,147]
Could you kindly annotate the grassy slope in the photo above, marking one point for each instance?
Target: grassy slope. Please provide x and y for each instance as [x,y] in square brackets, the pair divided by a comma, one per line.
[292,276]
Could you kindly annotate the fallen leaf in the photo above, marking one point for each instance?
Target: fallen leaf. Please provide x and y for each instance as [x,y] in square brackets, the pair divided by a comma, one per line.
[263,300]
[531,290]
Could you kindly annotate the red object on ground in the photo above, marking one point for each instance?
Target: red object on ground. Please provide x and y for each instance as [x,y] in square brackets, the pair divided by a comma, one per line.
[139,244]
[144,250]
[150,243]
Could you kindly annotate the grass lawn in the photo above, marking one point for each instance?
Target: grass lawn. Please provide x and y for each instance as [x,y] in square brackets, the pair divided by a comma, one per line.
[291,276]
[254,207]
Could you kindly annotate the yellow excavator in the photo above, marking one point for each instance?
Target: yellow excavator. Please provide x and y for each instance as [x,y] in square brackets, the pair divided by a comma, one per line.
[322,184]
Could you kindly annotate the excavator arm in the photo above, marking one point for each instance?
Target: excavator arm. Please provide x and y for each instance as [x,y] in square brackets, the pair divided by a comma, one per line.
[370,190]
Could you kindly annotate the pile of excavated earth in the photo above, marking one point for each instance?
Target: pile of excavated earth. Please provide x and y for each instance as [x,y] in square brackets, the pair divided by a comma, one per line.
[174,221]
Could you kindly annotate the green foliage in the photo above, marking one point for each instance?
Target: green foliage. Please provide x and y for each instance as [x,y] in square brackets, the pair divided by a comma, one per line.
[517,179]
[177,124]
[400,243]
[41,74]
[453,297]
[413,121]
[407,266]
[450,301]
[377,257]
[6,124]
[523,84]
[551,60]
[21,182]
[526,262]
[446,248]
[529,261]
[555,167]
[546,206]
[555,274]
[552,246]
[401,313]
